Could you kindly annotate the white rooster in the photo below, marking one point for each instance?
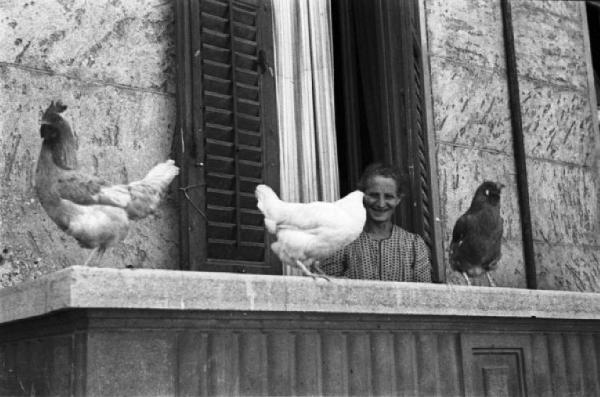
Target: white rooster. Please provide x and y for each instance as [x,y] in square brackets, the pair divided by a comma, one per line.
[309,232]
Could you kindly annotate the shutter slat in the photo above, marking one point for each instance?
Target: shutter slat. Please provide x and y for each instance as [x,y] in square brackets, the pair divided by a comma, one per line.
[215,84]
[219,70]
[214,22]
[231,250]
[244,46]
[227,198]
[228,231]
[244,16]
[218,132]
[251,108]
[216,38]
[247,76]
[244,31]
[219,100]
[249,138]
[218,116]
[215,7]
[247,92]
[249,123]
[214,53]
[224,181]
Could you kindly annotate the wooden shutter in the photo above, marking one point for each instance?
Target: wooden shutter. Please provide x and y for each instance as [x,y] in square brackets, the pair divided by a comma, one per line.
[417,143]
[228,134]
[416,125]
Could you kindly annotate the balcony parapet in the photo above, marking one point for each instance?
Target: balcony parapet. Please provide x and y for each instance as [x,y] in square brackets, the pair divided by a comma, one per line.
[109,288]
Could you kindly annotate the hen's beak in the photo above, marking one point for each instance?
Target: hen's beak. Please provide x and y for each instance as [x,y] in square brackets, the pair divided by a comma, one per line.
[500,186]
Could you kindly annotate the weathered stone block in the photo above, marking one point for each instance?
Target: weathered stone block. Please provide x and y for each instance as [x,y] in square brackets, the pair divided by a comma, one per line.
[563,9]
[568,267]
[128,42]
[557,123]
[467,31]
[122,133]
[564,203]
[549,42]
[470,105]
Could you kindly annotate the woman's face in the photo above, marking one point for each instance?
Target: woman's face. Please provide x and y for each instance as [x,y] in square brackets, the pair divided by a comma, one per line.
[381,198]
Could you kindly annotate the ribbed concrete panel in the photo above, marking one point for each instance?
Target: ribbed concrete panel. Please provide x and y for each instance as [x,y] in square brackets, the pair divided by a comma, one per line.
[590,365]
[335,364]
[558,365]
[244,354]
[280,363]
[541,365]
[222,362]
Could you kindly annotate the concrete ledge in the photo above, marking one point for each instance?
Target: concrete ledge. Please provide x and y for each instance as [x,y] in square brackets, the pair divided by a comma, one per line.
[81,287]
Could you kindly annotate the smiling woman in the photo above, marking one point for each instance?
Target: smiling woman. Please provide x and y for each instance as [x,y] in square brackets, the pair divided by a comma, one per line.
[383,251]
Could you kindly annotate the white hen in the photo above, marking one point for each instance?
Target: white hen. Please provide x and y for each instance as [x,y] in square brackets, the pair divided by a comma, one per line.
[309,232]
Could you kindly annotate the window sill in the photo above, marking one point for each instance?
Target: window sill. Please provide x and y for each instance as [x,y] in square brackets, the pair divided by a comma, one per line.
[81,287]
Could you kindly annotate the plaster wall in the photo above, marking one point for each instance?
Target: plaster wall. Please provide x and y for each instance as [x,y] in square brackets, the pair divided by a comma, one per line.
[474,139]
[112,64]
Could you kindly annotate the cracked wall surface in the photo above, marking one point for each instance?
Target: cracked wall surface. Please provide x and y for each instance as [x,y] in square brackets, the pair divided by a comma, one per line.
[112,64]
[474,139]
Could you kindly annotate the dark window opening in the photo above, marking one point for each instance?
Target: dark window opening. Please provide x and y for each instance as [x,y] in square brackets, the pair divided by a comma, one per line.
[379,101]
[593,17]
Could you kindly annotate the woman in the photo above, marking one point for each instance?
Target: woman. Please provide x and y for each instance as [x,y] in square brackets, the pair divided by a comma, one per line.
[383,251]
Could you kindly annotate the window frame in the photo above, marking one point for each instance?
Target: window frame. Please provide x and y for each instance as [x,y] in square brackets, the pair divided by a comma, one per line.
[190,145]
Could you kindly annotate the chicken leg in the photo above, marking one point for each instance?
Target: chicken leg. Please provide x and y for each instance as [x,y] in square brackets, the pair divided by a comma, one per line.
[489,277]
[316,266]
[95,256]
[307,272]
[466,278]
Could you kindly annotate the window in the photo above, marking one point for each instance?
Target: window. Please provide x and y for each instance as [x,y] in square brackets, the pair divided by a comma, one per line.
[229,142]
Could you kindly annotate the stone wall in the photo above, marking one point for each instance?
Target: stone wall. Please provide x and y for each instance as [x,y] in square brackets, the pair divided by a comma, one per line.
[112,63]
[474,138]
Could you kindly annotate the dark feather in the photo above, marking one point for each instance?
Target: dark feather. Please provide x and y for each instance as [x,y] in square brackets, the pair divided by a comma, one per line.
[79,188]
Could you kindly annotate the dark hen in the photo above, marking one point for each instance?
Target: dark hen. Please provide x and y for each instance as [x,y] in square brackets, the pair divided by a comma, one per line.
[477,235]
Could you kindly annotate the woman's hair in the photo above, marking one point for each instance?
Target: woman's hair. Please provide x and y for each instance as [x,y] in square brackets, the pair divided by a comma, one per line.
[386,171]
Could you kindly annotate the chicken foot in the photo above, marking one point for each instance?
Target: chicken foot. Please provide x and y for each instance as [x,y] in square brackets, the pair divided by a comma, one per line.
[466,278]
[307,272]
[489,277]
[95,256]
[316,266]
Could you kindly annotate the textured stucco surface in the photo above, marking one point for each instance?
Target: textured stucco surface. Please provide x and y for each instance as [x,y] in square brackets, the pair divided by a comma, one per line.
[112,63]
[474,139]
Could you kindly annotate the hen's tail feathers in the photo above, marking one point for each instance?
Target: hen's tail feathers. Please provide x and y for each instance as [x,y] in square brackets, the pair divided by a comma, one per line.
[147,193]
[268,204]
[140,198]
